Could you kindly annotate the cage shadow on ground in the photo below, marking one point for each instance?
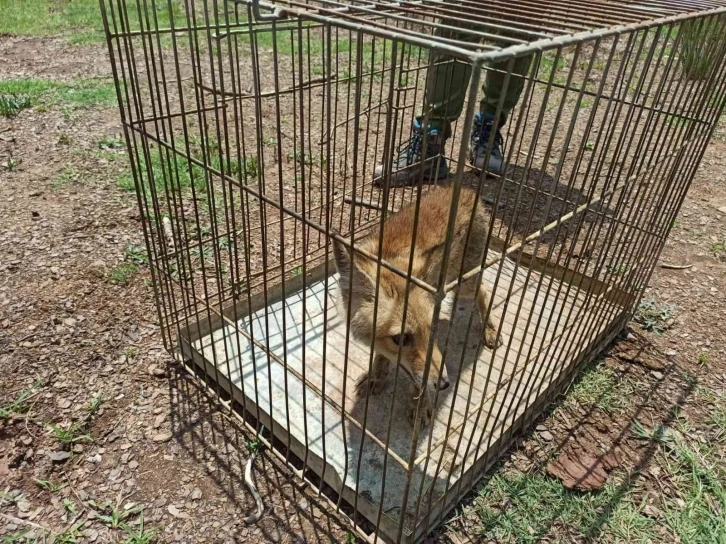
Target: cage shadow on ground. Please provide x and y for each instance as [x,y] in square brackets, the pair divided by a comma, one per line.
[582,434]
[531,199]
[293,512]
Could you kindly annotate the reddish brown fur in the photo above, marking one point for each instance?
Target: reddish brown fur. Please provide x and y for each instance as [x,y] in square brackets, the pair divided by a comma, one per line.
[395,248]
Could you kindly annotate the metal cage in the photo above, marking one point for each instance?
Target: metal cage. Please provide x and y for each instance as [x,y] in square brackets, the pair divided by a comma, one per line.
[254,131]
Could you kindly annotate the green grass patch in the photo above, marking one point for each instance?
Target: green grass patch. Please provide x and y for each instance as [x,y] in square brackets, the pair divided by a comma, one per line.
[601,388]
[123,272]
[79,20]
[49,485]
[139,534]
[652,316]
[694,509]
[135,256]
[12,164]
[718,249]
[20,404]
[12,103]
[513,506]
[701,42]
[166,170]
[71,435]
[717,413]
[517,507]
[66,177]
[162,170]
[43,93]
[109,143]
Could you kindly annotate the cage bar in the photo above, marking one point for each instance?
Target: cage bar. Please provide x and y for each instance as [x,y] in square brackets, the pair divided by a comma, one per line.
[261,134]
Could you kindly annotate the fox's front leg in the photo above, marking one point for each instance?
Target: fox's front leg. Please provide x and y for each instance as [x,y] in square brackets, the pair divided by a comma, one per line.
[490,333]
[375,381]
[426,410]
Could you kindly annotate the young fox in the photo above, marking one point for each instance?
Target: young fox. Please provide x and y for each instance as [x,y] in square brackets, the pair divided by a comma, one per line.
[358,281]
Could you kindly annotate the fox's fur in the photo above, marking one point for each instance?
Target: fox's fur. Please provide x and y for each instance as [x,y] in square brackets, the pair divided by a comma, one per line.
[358,279]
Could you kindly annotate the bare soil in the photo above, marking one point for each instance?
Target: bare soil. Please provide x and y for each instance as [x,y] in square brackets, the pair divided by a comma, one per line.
[158,442]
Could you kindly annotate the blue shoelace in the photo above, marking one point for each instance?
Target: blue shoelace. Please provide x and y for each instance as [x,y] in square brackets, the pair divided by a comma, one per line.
[483,131]
[414,147]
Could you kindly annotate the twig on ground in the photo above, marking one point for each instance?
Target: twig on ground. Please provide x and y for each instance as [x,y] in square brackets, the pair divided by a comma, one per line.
[19,521]
[26,337]
[364,203]
[670,266]
[254,518]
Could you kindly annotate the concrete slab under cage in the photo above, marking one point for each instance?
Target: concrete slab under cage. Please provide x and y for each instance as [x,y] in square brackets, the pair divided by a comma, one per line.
[543,338]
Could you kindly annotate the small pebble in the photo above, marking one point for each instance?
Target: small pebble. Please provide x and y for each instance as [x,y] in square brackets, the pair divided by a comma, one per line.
[162,437]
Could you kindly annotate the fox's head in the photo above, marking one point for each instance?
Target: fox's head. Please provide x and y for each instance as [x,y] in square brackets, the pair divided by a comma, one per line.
[357,286]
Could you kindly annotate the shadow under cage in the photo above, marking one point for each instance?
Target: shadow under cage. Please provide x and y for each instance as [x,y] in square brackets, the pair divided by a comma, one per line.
[261,135]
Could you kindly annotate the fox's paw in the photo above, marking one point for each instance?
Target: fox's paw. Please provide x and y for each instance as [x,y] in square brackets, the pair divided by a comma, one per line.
[491,338]
[425,413]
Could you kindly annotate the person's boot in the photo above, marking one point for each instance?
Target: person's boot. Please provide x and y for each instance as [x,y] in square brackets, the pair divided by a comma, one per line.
[481,132]
[406,168]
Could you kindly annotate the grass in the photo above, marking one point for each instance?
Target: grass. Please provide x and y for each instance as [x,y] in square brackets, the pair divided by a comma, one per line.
[717,413]
[618,269]
[697,476]
[71,535]
[170,172]
[79,20]
[71,435]
[43,94]
[703,359]
[66,177]
[20,404]
[517,507]
[601,388]
[123,272]
[718,249]
[94,405]
[254,446]
[142,535]
[12,103]
[69,505]
[548,68]
[112,514]
[108,143]
[12,163]
[167,171]
[652,316]
[136,254]
[513,506]
[48,485]
[700,45]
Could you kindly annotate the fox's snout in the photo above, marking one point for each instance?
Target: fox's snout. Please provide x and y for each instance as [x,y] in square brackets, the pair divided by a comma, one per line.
[444,382]
[439,378]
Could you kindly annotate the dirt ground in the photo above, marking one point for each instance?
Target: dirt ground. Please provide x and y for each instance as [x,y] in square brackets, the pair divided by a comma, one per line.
[77,323]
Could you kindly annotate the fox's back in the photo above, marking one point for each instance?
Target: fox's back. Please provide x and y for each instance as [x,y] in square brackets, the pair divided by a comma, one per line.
[431,230]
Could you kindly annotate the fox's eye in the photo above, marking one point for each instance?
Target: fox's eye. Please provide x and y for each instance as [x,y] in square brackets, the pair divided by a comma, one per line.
[402,339]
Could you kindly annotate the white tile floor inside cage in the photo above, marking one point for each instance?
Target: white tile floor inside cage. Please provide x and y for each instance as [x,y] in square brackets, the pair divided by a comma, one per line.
[539,342]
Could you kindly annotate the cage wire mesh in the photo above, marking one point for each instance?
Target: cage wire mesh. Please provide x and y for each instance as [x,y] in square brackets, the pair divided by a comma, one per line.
[261,135]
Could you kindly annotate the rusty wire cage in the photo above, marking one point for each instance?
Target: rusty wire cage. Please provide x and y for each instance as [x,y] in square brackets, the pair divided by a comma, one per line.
[254,131]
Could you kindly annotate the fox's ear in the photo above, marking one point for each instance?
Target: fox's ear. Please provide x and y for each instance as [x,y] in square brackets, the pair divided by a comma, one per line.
[344,263]
[343,259]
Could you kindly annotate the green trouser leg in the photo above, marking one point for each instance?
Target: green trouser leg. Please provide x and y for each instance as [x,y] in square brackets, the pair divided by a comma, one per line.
[448,81]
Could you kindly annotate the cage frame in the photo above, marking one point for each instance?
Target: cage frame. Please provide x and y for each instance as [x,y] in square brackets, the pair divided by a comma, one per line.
[216,315]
